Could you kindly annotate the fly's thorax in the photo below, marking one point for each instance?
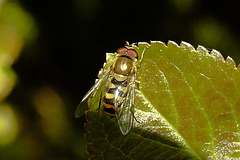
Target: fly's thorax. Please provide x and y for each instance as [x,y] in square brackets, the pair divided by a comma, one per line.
[123,65]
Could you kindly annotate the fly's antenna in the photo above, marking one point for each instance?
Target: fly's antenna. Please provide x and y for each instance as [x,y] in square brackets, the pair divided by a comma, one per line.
[127,43]
[130,46]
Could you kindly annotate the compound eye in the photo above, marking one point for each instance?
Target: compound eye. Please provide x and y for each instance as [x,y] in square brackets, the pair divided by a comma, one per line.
[122,50]
[132,53]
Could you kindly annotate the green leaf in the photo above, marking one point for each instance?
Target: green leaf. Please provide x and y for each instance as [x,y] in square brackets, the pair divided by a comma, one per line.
[187,107]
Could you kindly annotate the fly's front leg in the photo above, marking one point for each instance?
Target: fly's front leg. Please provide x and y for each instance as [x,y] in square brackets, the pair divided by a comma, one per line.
[138,64]
[137,84]
[100,108]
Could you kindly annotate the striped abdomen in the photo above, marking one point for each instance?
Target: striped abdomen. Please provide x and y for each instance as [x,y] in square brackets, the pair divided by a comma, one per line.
[115,95]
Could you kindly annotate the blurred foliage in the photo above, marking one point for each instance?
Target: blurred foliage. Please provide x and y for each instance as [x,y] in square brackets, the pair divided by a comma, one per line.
[50,53]
[15,25]
[8,124]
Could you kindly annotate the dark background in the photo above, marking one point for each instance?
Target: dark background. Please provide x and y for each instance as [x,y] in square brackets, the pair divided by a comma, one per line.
[59,66]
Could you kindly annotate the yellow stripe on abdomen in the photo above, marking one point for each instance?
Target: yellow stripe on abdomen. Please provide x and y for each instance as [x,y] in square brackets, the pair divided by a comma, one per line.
[109,95]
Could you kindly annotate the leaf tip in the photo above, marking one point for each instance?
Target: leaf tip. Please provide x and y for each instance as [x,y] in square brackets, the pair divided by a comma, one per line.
[202,50]
[231,62]
[172,43]
[158,42]
[217,55]
[187,46]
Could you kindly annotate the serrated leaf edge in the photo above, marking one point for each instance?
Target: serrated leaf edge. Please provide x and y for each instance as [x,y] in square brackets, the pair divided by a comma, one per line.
[185,45]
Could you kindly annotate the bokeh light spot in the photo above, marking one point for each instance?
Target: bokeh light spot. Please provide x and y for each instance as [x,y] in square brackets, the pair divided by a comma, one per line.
[8,125]
[8,79]
[184,6]
[209,31]
[51,108]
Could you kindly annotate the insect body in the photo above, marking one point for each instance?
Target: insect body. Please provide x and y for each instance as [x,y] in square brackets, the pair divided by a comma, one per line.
[115,89]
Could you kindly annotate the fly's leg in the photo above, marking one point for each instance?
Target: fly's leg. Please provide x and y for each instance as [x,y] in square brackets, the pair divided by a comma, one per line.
[136,119]
[100,108]
[137,84]
[139,61]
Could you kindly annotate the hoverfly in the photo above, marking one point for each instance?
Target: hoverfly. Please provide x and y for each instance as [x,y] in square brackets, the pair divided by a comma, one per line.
[115,88]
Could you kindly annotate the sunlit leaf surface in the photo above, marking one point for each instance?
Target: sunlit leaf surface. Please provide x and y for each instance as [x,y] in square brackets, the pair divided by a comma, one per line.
[187,107]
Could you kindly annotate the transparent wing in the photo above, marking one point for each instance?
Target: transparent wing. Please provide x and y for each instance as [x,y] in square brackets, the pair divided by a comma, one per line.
[95,90]
[125,114]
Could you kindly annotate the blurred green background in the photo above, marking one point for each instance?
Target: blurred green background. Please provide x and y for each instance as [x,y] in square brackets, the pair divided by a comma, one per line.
[51,52]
